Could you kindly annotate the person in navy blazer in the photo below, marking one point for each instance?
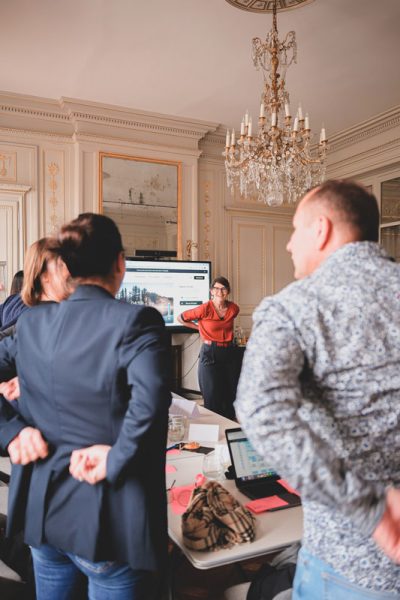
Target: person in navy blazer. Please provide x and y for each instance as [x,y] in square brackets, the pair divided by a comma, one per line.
[92,420]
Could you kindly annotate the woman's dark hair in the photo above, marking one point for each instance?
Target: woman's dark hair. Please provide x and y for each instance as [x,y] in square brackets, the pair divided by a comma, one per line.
[223,281]
[89,245]
[16,284]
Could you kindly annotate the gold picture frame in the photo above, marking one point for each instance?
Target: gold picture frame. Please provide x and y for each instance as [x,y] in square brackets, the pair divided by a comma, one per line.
[143,194]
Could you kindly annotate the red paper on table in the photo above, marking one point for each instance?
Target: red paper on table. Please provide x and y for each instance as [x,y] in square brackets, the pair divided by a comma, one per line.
[288,487]
[170,468]
[179,498]
[263,504]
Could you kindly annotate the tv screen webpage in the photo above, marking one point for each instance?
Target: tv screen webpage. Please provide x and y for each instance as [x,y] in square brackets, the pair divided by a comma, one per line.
[170,286]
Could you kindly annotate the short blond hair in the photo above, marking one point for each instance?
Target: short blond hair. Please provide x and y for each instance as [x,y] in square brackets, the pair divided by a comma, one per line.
[353,204]
[36,260]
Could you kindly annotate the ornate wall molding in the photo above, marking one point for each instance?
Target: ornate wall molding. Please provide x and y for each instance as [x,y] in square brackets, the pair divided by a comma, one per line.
[365,130]
[75,117]
[70,117]
[212,146]
[207,225]
[16,188]
[281,212]
[371,160]
[31,112]
[8,132]
[53,164]
[8,166]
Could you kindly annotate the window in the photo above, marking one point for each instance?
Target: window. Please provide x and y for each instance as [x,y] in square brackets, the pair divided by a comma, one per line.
[390,217]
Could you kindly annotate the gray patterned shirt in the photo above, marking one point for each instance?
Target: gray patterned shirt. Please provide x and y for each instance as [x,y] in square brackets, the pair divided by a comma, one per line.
[319,397]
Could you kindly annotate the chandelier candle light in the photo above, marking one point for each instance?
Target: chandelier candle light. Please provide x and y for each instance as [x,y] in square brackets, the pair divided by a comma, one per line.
[277,164]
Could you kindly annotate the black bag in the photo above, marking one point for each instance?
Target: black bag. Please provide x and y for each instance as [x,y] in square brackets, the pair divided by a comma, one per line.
[270,581]
[276,577]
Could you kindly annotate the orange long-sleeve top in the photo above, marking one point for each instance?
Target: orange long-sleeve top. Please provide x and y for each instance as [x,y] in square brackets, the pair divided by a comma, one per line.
[212,327]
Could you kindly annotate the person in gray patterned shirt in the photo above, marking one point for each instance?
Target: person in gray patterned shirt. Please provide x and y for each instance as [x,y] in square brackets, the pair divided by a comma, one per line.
[319,394]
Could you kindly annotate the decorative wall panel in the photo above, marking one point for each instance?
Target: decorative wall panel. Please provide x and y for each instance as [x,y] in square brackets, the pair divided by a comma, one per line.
[207,215]
[249,248]
[8,166]
[54,191]
[282,266]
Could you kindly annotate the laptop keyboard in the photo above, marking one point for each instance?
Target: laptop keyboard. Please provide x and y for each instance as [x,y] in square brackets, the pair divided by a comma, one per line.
[262,490]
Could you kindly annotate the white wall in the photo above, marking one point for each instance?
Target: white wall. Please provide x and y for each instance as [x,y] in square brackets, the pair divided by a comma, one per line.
[49,172]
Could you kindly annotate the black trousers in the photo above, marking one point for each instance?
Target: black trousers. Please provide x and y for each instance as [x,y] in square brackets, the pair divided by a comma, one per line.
[219,370]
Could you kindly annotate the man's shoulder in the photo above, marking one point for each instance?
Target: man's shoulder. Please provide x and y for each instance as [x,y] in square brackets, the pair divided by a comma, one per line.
[291,300]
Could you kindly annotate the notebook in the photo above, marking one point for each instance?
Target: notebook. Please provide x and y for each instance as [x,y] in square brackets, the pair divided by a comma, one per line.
[253,477]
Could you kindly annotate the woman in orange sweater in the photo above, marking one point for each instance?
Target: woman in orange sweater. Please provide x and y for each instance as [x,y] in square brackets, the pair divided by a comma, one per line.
[218,371]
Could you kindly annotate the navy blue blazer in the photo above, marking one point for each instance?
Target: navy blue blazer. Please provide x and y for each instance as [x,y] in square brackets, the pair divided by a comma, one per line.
[10,310]
[92,370]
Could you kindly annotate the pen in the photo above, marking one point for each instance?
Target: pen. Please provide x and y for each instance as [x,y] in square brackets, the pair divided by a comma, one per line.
[171,486]
[172,447]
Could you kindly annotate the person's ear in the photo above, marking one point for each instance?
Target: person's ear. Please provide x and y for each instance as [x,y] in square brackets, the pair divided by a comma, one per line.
[45,278]
[323,231]
[121,263]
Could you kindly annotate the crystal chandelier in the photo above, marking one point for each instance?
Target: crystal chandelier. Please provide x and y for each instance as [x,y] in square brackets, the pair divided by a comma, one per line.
[278,163]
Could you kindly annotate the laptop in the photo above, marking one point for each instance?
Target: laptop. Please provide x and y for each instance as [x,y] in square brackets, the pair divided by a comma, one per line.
[253,477]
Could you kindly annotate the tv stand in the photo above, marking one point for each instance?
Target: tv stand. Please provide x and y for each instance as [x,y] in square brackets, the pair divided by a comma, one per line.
[176,368]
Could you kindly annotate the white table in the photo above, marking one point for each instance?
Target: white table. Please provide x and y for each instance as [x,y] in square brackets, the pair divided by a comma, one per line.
[274,530]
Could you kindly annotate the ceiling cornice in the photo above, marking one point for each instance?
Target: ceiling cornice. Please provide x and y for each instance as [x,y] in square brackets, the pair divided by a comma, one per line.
[366,129]
[72,117]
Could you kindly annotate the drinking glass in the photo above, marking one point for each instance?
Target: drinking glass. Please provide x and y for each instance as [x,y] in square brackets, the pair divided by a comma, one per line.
[221,450]
[212,467]
[176,427]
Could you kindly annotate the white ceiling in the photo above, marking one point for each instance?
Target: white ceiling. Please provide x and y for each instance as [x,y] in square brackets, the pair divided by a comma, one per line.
[192,58]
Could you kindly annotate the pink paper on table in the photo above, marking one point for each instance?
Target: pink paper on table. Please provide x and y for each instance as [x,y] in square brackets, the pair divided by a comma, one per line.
[263,504]
[170,469]
[288,487]
[179,498]
[173,451]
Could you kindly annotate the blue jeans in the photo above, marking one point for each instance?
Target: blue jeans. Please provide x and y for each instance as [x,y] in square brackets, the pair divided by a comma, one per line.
[59,574]
[315,580]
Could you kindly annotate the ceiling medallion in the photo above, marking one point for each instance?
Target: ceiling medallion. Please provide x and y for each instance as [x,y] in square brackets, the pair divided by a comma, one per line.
[266,6]
[277,163]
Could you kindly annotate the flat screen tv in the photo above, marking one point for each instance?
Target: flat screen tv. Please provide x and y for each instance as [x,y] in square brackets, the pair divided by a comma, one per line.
[170,286]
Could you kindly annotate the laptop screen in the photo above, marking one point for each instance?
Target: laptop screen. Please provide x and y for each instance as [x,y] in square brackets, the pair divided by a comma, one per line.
[248,465]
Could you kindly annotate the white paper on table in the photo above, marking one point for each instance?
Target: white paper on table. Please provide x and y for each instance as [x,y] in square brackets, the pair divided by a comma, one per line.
[186,408]
[203,433]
